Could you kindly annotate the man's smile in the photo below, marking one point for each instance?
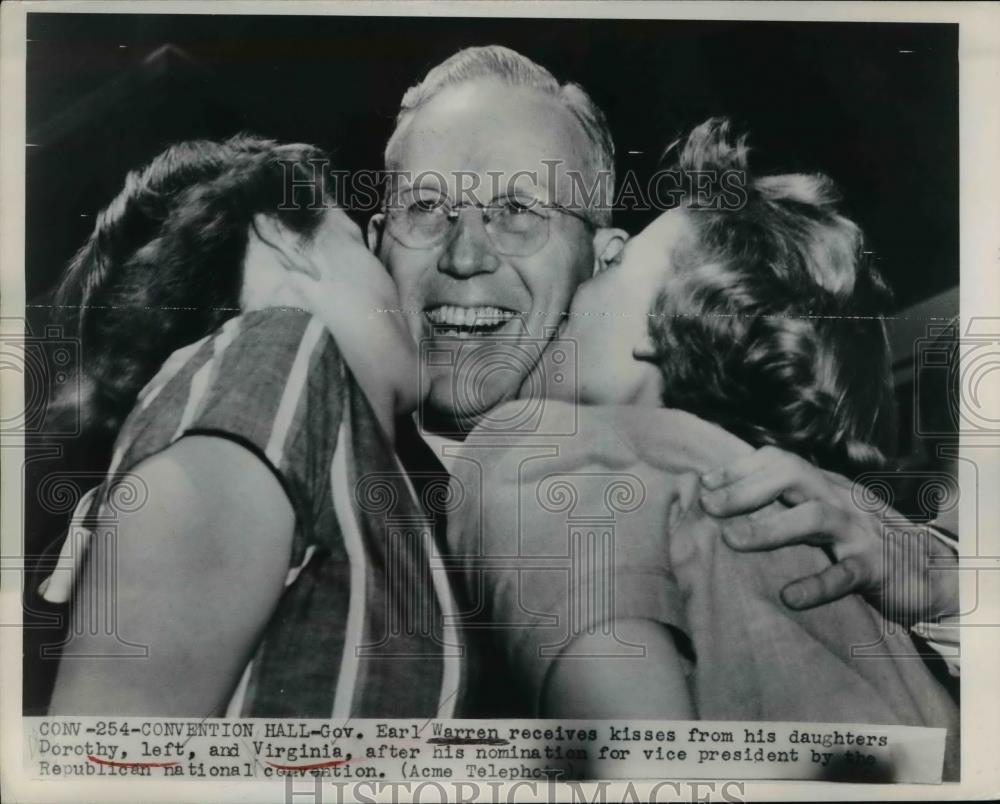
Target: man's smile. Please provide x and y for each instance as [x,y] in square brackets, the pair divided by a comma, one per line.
[452,320]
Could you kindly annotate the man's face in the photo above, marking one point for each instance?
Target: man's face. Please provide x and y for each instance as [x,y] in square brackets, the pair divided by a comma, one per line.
[481,314]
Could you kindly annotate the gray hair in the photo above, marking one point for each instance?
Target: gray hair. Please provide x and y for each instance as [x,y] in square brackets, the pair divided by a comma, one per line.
[513,69]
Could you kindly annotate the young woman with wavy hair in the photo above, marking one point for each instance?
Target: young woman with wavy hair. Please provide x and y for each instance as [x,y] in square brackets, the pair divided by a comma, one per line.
[742,329]
[250,574]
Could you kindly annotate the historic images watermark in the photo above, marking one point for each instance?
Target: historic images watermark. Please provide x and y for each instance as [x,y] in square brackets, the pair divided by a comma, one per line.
[550,185]
[315,791]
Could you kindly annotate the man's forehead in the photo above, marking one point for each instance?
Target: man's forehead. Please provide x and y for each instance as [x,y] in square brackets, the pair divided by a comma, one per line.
[490,129]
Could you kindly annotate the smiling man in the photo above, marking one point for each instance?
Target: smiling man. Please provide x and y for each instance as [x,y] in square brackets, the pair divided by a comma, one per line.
[493,219]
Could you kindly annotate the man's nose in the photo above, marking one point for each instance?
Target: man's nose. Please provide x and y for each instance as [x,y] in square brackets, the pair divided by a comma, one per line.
[469,251]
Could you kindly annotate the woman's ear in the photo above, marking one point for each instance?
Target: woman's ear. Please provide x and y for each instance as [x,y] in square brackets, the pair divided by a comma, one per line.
[376,227]
[273,233]
[609,246]
[265,228]
[265,265]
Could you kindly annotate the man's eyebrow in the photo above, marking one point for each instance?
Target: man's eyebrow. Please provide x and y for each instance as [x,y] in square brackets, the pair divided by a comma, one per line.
[541,198]
[423,188]
[533,179]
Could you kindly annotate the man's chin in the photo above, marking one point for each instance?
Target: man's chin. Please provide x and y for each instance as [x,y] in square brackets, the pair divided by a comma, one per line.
[454,409]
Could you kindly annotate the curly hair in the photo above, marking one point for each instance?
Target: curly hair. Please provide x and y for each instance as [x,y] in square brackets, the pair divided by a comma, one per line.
[771,323]
[164,265]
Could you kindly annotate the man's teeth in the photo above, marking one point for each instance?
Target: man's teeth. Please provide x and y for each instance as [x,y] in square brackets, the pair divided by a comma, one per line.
[450,315]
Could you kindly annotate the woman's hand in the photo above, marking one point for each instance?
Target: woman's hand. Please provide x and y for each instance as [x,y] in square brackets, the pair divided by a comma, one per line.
[891,567]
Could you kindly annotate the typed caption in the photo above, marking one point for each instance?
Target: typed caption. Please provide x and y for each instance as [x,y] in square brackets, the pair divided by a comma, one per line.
[89,747]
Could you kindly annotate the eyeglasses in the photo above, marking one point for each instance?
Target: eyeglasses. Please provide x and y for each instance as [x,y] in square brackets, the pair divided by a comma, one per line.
[516,227]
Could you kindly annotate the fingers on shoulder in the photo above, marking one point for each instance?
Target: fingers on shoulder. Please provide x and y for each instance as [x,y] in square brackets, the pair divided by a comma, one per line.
[835,582]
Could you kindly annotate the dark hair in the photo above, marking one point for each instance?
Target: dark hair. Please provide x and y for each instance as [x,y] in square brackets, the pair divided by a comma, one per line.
[771,323]
[164,265]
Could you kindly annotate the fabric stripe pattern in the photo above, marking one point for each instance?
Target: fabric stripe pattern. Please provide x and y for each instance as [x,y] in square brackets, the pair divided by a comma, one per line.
[274,382]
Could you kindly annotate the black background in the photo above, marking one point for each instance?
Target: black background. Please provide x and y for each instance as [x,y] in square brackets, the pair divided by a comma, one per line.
[875,106]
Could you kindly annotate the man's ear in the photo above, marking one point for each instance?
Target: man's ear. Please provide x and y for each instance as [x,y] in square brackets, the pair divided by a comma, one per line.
[609,246]
[376,228]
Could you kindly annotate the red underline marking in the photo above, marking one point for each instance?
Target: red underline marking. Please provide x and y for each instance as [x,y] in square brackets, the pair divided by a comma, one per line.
[100,761]
[331,764]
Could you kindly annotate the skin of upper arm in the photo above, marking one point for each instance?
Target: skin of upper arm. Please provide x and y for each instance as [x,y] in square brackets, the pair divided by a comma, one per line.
[600,687]
[199,570]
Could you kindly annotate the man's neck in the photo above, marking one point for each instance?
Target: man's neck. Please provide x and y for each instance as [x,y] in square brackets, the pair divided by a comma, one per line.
[436,439]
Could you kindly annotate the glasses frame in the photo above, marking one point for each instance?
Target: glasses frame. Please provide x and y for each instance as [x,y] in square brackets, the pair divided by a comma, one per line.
[453,214]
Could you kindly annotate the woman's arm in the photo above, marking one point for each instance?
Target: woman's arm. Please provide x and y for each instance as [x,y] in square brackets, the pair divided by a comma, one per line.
[650,687]
[198,572]
[337,279]
[372,335]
